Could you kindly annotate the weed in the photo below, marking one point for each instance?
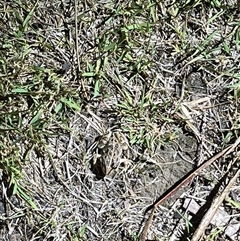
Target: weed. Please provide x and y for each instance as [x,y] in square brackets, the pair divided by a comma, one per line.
[187,222]
[214,235]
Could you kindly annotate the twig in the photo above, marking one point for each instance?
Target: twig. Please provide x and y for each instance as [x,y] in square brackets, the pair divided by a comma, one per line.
[76,45]
[213,209]
[76,34]
[184,182]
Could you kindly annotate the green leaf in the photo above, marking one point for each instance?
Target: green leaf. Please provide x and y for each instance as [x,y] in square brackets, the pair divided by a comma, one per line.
[128,96]
[153,12]
[25,197]
[110,47]
[27,19]
[82,231]
[97,88]
[70,103]
[234,86]
[226,48]
[98,65]
[215,16]
[19,90]
[105,62]
[7,46]
[88,74]
[58,107]
[233,203]
[36,117]
[237,41]
[124,105]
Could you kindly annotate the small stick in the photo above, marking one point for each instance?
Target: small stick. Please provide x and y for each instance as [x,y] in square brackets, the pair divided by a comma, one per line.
[76,45]
[76,33]
[184,182]
[213,209]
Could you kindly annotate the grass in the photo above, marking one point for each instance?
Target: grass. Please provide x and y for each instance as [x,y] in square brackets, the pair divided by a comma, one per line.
[214,234]
[131,68]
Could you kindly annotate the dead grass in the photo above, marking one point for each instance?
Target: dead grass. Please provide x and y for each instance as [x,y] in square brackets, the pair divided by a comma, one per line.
[165,75]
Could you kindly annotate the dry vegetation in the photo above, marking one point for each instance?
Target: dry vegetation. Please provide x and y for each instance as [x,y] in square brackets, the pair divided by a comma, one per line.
[105,105]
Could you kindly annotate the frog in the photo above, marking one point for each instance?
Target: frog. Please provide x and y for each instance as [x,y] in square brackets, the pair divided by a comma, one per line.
[108,153]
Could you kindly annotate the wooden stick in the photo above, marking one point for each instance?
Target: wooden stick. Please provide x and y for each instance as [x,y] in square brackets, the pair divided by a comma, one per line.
[213,209]
[184,182]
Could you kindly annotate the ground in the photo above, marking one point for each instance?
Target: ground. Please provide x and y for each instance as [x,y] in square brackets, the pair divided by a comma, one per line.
[105,106]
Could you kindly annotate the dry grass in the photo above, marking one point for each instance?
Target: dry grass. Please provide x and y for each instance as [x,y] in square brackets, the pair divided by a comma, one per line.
[78,76]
